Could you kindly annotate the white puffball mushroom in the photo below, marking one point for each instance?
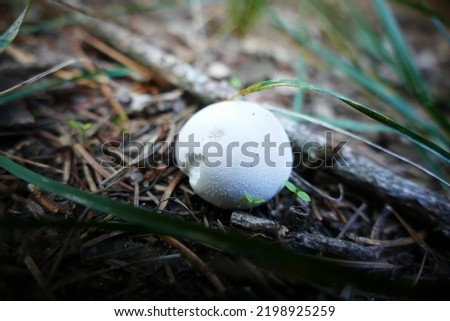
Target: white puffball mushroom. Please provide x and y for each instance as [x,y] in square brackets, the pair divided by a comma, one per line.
[235,153]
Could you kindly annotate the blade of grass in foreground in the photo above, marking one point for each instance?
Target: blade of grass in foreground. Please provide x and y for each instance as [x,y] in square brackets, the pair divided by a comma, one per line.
[11,33]
[285,261]
[155,222]
[416,138]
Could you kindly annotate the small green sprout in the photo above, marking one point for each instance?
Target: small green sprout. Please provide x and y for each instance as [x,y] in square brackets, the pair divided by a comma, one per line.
[297,191]
[253,201]
[82,127]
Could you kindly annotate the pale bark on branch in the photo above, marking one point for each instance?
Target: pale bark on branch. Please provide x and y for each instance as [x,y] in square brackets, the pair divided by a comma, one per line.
[168,66]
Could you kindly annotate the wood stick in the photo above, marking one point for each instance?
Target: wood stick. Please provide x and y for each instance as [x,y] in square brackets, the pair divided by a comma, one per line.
[331,247]
[256,224]
[168,66]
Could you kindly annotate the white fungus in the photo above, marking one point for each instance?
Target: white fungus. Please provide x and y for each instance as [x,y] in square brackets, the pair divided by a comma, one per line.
[234,152]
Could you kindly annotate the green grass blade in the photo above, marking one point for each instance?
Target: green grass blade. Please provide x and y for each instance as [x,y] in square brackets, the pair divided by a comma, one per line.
[395,101]
[297,104]
[416,138]
[10,34]
[371,45]
[403,55]
[356,125]
[404,59]
[299,117]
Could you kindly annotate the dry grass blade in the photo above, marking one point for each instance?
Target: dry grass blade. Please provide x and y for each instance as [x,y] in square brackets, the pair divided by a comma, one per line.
[114,54]
[41,75]
[104,85]
[165,198]
[30,162]
[199,263]
[80,150]
[38,276]
[412,232]
[185,251]
[404,241]
[351,220]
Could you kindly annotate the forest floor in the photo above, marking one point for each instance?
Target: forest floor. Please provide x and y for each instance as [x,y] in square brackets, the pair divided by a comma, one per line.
[62,129]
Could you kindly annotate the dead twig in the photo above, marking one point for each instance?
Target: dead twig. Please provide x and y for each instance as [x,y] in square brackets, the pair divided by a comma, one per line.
[351,220]
[37,274]
[257,224]
[404,241]
[412,232]
[30,162]
[331,247]
[198,262]
[114,54]
[168,191]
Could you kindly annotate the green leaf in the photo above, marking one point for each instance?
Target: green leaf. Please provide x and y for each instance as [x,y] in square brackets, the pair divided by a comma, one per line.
[10,34]
[258,201]
[291,187]
[304,196]
[411,135]
[249,198]
[86,126]
[297,191]
[252,200]
[75,124]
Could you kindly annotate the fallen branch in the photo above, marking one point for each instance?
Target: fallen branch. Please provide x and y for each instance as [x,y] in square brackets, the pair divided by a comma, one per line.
[256,224]
[331,247]
[306,242]
[168,66]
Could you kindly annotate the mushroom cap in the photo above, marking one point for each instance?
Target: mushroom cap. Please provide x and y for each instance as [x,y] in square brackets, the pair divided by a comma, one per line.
[234,150]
